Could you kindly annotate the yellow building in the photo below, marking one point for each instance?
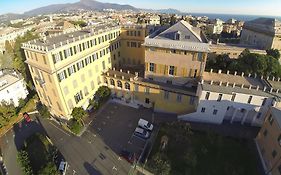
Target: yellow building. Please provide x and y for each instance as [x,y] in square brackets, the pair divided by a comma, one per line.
[268,142]
[66,68]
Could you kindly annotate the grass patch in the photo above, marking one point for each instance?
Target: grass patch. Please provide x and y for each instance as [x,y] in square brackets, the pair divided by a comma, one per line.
[200,153]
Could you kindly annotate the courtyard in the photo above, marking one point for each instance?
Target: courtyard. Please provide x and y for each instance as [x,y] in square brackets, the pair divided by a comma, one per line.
[201,153]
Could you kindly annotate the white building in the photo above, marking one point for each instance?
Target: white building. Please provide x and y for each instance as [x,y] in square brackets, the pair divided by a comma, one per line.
[216,26]
[12,87]
[234,98]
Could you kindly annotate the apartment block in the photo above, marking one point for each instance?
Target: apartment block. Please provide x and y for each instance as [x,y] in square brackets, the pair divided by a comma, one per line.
[268,142]
[176,54]
[66,68]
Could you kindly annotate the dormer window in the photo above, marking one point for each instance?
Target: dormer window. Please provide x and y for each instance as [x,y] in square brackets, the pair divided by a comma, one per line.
[177,36]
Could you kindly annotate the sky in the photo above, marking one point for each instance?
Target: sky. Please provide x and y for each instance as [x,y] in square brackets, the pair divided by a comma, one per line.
[250,7]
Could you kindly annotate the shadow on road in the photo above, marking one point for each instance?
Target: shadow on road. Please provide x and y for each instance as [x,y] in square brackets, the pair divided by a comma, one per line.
[90,169]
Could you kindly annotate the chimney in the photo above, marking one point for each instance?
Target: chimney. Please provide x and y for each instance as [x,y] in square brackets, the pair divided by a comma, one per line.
[123,77]
[267,78]
[128,72]
[250,87]
[211,71]
[264,88]
[261,77]
[233,85]
[211,82]
[271,89]
[121,70]
[219,71]
[227,72]
[60,43]
[242,74]
[114,75]
[277,91]
[227,83]
[67,42]
[54,46]
[242,86]
[258,88]
[249,75]
[137,74]
[235,73]
[255,75]
[278,79]
[273,78]
[107,73]
[220,83]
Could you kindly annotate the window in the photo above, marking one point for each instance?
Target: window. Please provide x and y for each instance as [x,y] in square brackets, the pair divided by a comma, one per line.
[203,110]
[136,88]
[172,70]
[88,60]
[78,97]
[128,33]
[71,70]
[56,58]
[250,99]
[80,65]
[191,100]
[169,82]
[112,82]
[233,97]
[128,44]
[166,95]
[147,100]
[133,44]
[103,65]
[44,59]
[177,36]
[264,101]
[215,112]
[127,86]
[147,90]
[119,84]
[265,133]
[207,96]
[61,76]
[187,36]
[179,98]
[151,67]
[86,92]
[219,97]
[274,153]
[67,53]
[270,119]
[92,85]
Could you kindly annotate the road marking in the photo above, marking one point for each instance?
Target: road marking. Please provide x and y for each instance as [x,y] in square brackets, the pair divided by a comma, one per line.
[59,129]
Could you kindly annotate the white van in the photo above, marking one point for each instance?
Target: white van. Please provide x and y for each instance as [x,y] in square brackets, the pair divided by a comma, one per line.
[145,124]
[142,133]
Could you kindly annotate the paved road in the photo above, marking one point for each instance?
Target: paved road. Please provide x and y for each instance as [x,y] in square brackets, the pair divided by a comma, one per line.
[87,154]
[13,140]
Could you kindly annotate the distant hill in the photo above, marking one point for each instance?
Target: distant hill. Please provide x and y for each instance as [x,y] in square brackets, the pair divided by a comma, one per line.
[167,11]
[82,4]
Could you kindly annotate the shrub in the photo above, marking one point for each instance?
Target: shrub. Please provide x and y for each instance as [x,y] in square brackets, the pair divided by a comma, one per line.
[43,110]
[75,126]
[23,159]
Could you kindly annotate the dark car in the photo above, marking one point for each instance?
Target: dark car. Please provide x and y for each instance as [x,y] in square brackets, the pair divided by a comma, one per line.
[130,157]
[26,117]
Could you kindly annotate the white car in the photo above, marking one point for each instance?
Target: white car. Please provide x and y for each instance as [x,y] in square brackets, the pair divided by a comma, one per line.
[145,124]
[142,133]
[63,167]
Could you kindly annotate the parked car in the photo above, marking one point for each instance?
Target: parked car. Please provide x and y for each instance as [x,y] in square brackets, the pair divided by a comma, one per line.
[63,167]
[130,157]
[142,133]
[26,117]
[145,124]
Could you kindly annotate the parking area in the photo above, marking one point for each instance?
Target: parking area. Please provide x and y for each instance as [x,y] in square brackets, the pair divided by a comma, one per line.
[116,124]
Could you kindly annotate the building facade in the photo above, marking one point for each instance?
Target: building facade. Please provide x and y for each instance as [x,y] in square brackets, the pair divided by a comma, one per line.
[66,68]
[268,142]
[232,98]
[263,33]
[12,87]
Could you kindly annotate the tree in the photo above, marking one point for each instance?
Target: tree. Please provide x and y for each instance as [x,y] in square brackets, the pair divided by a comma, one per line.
[274,53]
[6,61]
[23,159]
[43,110]
[49,168]
[78,113]
[79,23]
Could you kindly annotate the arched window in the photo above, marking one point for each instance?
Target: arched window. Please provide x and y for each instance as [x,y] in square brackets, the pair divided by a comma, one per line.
[127,86]
[112,82]
[119,83]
